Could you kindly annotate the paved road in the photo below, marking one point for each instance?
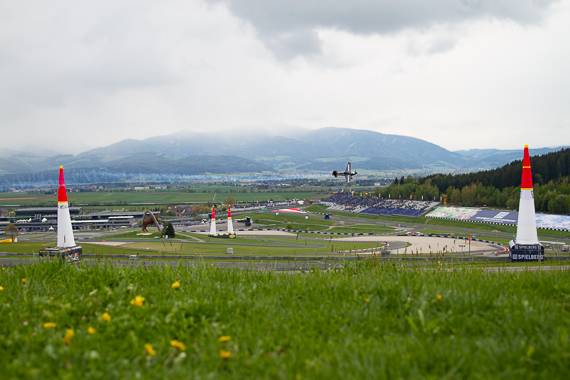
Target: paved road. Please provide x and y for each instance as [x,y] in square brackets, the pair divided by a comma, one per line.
[276,265]
[427,244]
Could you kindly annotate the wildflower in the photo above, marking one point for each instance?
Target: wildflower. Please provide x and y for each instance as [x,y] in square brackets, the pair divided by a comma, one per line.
[105,316]
[68,335]
[225,354]
[149,349]
[47,325]
[176,285]
[24,281]
[367,299]
[1,288]
[91,330]
[224,339]
[176,344]
[137,301]
[439,297]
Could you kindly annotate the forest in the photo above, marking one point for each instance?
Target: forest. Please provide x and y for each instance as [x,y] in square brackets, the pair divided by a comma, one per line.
[498,188]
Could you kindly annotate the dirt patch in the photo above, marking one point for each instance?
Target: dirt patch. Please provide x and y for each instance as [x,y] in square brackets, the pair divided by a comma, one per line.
[108,243]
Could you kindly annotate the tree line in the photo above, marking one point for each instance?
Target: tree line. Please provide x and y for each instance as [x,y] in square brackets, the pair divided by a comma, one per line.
[494,188]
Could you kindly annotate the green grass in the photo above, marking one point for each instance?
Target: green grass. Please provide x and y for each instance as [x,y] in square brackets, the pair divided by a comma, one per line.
[270,220]
[242,246]
[362,228]
[257,249]
[366,320]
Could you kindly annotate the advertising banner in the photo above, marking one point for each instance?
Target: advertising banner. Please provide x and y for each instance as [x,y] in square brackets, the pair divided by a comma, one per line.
[553,221]
[527,253]
[458,213]
[556,222]
[493,216]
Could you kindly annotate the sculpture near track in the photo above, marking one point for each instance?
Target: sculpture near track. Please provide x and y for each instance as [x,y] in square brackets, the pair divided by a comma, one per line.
[150,220]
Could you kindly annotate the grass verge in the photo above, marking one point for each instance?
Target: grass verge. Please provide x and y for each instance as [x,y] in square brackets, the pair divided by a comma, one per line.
[366,320]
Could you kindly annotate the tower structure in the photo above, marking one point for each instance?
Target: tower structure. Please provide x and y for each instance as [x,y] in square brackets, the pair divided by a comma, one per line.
[526,246]
[213,231]
[66,247]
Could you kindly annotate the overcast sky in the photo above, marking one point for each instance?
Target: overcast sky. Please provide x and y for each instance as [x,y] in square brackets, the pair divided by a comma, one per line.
[461,74]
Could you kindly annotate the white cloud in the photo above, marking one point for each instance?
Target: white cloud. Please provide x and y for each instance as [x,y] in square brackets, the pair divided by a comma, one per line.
[460,74]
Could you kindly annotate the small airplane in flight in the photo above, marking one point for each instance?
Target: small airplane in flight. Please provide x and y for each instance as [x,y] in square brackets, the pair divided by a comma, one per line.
[348,173]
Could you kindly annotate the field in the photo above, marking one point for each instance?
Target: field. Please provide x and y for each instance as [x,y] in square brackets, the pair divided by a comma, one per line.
[364,320]
[125,198]
[260,247]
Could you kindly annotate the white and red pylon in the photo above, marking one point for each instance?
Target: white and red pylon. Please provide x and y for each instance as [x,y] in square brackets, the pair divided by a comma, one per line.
[230,225]
[64,230]
[213,230]
[526,224]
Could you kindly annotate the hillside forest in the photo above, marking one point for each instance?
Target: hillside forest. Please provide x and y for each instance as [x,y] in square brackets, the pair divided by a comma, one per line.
[498,188]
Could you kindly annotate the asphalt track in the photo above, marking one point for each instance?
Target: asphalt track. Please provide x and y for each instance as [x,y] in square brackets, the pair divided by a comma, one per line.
[289,267]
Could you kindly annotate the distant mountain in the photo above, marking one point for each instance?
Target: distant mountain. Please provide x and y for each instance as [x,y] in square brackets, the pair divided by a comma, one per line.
[303,150]
[494,158]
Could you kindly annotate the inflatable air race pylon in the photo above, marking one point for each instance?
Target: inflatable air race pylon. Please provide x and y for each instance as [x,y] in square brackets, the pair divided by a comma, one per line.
[64,231]
[213,231]
[526,246]
[230,225]
[66,248]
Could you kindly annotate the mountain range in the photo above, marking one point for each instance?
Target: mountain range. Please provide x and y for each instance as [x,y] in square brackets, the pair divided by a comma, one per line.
[323,149]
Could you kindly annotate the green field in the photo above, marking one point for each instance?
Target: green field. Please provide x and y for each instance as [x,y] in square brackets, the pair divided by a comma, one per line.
[261,246]
[366,320]
[442,223]
[130,197]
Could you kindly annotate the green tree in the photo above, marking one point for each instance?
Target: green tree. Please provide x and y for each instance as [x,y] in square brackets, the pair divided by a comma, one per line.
[558,205]
[12,230]
[168,230]
[230,201]
[455,196]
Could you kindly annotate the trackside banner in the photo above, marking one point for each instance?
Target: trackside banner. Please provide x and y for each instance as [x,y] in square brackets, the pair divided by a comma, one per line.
[556,222]
[493,216]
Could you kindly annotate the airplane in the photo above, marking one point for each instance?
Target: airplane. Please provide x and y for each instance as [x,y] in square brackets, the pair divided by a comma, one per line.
[347,173]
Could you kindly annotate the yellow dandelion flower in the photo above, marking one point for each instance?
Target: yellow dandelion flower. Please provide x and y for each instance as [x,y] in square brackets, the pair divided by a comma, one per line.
[149,349]
[176,285]
[176,344]
[91,330]
[48,325]
[439,297]
[1,288]
[69,333]
[367,299]
[137,301]
[225,354]
[224,339]
[105,317]
[24,281]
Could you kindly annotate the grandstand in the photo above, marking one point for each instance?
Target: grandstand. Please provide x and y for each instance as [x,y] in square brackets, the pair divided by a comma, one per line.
[377,206]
